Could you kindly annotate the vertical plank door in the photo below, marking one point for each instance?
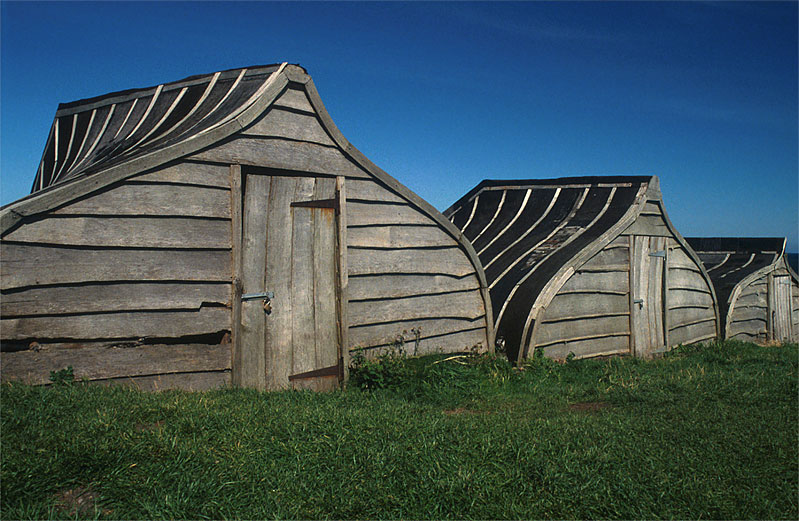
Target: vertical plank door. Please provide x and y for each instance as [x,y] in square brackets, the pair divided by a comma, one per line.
[647,268]
[781,308]
[289,247]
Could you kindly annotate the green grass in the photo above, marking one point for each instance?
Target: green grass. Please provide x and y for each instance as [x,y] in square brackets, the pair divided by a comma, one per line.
[706,432]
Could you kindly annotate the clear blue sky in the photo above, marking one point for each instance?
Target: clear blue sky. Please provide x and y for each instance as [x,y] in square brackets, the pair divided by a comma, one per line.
[443,95]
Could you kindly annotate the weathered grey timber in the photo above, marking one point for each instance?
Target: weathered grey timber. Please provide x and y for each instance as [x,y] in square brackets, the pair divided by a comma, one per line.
[590,266]
[756,287]
[225,214]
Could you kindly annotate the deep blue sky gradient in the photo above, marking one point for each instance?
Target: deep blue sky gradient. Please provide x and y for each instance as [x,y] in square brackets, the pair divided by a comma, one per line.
[443,95]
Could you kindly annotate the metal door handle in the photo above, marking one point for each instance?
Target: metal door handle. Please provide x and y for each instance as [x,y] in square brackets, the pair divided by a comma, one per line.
[640,302]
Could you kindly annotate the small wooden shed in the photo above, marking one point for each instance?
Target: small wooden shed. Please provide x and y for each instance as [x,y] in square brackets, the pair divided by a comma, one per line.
[757,289]
[586,265]
[221,230]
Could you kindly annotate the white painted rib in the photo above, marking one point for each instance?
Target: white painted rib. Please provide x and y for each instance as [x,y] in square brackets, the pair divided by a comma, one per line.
[146,112]
[225,97]
[521,209]
[127,116]
[747,263]
[199,103]
[562,224]
[244,106]
[751,258]
[83,141]
[570,239]
[565,221]
[55,152]
[471,215]
[726,258]
[529,230]
[97,139]
[163,118]
[499,209]
[69,148]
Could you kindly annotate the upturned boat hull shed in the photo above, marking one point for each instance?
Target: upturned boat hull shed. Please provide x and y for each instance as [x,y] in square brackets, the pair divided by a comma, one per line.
[220,230]
[757,289]
[586,266]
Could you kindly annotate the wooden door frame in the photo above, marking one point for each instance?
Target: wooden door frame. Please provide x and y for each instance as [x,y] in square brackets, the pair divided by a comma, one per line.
[663,322]
[237,174]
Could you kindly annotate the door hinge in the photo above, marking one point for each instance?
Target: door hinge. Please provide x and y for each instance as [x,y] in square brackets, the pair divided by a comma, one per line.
[267,295]
[333,370]
[320,203]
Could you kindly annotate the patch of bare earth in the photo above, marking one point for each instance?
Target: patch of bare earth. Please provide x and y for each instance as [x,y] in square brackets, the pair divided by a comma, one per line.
[589,406]
[140,427]
[77,501]
[459,410]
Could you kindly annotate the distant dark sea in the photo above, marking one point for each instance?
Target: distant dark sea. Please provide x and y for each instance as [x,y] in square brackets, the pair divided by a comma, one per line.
[793,260]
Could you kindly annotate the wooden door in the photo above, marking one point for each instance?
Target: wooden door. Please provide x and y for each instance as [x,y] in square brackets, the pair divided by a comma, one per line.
[647,273]
[289,248]
[780,308]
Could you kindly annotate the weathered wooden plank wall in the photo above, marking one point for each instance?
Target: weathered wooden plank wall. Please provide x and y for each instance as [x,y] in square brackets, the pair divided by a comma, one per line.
[590,315]
[148,257]
[795,309]
[749,318]
[404,271]
[691,316]
[408,280]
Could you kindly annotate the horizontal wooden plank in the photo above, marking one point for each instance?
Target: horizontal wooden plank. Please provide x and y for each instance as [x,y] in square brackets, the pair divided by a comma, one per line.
[295,99]
[375,214]
[547,333]
[687,279]
[690,333]
[189,173]
[606,268]
[466,304]
[615,281]
[613,345]
[401,285]
[652,208]
[648,225]
[753,327]
[675,267]
[144,232]
[463,341]
[282,154]
[405,333]
[752,299]
[156,200]
[570,305]
[748,336]
[203,381]
[445,261]
[155,324]
[290,125]
[680,298]
[686,315]
[125,296]
[371,190]
[609,257]
[748,312]
[29,265]
[399,237]
[95,363]
[678,256]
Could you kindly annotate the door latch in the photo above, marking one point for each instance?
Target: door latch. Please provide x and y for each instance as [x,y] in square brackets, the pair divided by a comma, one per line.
[266,296]
[640,302]
[661,254]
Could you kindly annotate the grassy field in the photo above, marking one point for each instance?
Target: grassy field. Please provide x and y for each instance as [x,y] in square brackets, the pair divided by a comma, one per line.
[706,432]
